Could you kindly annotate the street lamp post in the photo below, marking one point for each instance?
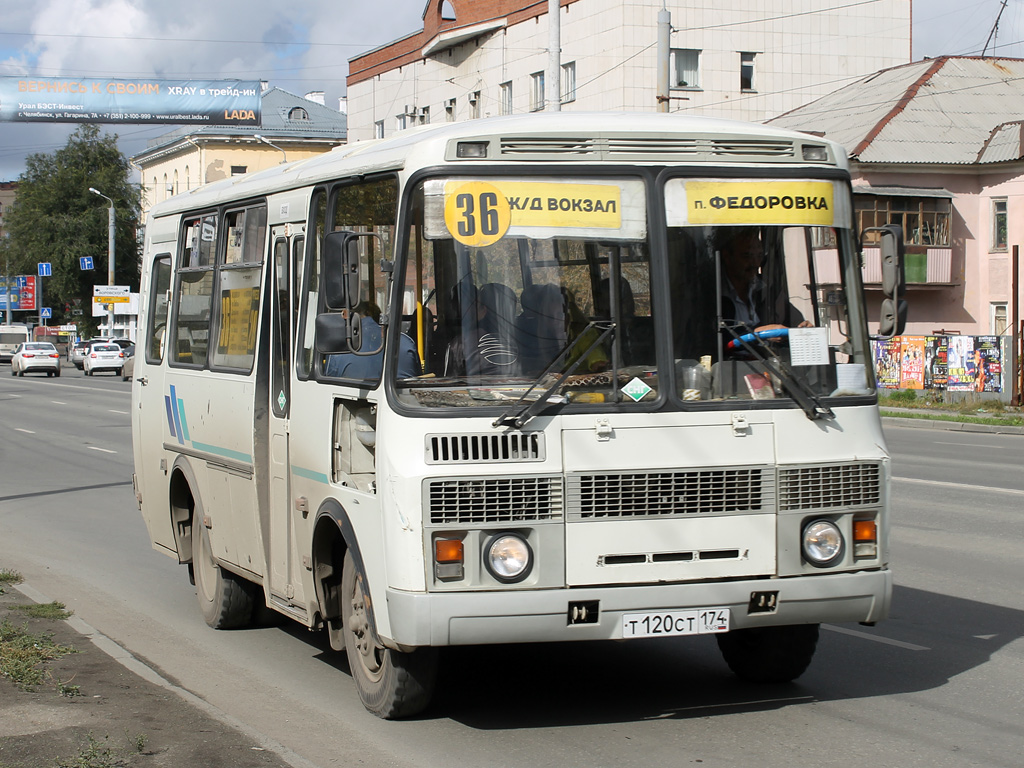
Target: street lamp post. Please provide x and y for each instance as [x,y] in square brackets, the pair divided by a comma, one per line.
[268,142]
[110,253]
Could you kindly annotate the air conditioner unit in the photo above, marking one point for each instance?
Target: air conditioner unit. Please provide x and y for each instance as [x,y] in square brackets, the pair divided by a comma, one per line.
[472,98]
[410,110]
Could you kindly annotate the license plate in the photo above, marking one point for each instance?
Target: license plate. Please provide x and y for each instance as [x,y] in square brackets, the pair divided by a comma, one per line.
[702,621]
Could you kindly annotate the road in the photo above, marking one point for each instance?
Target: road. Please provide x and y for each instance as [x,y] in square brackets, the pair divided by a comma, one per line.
[936,685]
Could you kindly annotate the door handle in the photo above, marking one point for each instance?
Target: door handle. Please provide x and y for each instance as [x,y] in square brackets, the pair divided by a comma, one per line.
[142,380]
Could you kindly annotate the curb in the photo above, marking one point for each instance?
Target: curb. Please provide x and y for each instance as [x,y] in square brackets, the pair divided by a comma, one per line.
[951,426]
[134,665]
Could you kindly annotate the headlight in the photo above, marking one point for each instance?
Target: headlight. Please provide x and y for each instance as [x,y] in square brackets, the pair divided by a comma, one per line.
[508,558]
[823,543]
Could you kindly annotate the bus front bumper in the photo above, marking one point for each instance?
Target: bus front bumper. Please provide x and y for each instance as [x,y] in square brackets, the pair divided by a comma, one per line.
[477,618]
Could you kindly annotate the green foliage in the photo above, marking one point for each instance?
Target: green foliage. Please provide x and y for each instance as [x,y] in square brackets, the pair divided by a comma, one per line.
[52,610]
[96,754]
[8,577]
[22,655]
[56,219]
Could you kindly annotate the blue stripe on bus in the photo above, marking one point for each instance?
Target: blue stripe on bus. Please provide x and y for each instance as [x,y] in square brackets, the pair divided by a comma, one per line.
[310,474]
[225,452]
[184,423]
[170,416]
[174,412]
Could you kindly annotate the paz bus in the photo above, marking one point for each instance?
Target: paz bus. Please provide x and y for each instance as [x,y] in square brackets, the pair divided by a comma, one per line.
[485,382]
[10,337]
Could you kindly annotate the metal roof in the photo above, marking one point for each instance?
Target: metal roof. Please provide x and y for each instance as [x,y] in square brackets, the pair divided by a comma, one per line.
[278,121]
[935,111]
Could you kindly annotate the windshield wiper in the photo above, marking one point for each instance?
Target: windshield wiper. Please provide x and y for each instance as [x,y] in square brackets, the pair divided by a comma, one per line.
[518,414]
[797,389]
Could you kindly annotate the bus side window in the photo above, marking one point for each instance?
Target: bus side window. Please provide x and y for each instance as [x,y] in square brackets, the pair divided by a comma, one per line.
[159,301]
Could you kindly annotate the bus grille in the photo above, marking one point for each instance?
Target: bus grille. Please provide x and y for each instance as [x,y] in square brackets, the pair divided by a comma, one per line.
[830,486]
[489,447]
[492,500]
[659,494]
[647,148]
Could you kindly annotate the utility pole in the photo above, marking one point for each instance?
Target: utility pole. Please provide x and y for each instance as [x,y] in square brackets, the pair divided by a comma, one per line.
[664,45]
[552,95]
[110,253]
[995,30]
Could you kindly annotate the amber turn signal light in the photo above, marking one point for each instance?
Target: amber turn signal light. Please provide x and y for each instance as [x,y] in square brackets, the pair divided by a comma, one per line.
[448,551]
[865,530]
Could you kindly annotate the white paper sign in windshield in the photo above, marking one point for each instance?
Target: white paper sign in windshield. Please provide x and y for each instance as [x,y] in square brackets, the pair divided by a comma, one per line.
[479,212]
[760,202]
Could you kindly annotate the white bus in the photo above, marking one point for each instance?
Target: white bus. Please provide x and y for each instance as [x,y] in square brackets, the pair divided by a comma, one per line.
[491,382]
[10,337]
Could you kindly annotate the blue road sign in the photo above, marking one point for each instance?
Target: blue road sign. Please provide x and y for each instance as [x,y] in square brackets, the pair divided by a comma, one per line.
[44,268]
[21,281]
[46,311]
[85,262]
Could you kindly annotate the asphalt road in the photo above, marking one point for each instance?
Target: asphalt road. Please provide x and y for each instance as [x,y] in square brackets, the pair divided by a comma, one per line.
[936,685]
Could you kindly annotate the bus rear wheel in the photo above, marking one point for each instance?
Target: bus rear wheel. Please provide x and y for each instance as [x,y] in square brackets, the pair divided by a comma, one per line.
[769,654]
[391,684]
[225,600]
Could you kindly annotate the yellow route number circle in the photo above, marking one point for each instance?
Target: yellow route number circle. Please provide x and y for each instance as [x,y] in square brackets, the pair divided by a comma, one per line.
[476,213]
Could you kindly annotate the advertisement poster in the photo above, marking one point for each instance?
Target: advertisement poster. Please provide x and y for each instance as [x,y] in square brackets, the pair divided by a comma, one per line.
[961,366]
[22,292]
[935,352]
[988,364]
[104,100]
[912,362]
[887,363]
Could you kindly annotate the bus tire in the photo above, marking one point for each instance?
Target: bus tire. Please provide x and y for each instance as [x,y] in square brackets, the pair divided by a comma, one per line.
[769,654]
[391,684]
[226,600]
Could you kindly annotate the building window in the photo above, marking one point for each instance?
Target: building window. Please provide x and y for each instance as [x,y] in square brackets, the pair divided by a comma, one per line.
[925,220]
[449,111]
[747,82]
[569,82]
[1000,320]
[999,234]
[505,90]
[536,91]
[684,69]
[298,113]
[474,105]
[378,129]
[423,118]
[401,121]
[239,170]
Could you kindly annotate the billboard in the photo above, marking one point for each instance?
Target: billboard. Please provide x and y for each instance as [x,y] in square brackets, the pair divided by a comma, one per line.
[105,100]
[22,292]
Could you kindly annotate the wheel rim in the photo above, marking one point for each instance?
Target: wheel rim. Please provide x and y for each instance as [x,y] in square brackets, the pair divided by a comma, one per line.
[369,654]
[203,566]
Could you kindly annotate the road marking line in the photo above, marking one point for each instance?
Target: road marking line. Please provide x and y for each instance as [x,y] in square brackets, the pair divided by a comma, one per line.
[876,638]
[57,402]
[26,431]
[960,486]
[122,413]
[105,450]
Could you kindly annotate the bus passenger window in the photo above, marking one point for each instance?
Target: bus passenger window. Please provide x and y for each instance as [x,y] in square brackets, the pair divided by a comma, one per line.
[159,293]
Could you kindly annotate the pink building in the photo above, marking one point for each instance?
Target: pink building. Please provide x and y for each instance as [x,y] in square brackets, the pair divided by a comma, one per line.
[938,147]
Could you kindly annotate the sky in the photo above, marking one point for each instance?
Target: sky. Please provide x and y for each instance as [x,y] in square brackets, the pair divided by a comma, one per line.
[298,46]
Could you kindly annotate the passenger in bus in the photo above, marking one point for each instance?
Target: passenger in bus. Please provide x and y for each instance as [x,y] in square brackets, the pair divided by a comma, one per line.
[348,365]
[637,333]
[485,344]
[583,338]
[745,302]
[541,328]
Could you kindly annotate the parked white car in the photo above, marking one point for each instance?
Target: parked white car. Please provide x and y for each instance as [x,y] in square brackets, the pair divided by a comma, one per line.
[35,356]
[105,356]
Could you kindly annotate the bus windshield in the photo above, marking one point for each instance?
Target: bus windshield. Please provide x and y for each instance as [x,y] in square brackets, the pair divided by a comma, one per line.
[525,289]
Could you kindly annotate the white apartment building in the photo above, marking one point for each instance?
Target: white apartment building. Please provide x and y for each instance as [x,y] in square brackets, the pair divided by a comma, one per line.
[746,59]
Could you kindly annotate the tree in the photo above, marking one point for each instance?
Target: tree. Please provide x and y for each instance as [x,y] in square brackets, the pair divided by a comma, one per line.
[56,219]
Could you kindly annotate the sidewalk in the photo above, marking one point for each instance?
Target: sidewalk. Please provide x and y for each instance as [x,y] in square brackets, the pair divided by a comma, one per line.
[100,707]
[937,418]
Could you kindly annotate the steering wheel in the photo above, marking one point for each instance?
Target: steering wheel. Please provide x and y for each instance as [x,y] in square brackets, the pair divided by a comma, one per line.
[774,333]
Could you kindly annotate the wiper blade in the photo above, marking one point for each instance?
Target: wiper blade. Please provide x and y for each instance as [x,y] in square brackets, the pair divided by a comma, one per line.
[518,414]
[797,389]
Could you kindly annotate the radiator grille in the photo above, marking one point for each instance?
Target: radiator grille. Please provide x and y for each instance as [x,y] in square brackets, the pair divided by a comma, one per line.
[827,487]
[494,500]
[489,447]
[657,494]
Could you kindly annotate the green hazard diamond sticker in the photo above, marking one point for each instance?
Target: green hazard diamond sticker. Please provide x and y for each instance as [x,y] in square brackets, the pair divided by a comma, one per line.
[282,401]
[636,390]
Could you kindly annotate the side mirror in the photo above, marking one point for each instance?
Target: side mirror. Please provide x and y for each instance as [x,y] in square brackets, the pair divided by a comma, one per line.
[338,332]
[342,281]
[894,281]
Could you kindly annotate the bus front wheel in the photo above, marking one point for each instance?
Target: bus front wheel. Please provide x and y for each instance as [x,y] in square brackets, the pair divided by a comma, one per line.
[391,684]
[769,654]
[226,600]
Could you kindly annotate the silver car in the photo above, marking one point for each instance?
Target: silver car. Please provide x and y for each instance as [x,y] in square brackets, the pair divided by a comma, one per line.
[35,356]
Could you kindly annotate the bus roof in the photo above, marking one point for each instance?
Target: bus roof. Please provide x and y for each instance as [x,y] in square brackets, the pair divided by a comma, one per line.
[580,137]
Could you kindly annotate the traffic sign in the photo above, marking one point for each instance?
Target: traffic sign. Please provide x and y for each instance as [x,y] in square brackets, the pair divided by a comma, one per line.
[111,294]
[46,312]
[21,281]
[85,263]
[44,269]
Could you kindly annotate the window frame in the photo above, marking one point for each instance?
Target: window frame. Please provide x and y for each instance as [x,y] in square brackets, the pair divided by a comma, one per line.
[168,259]
[505,91]
[537,91]
[1000,242]
[567,84]
[676,70]
[748,80]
